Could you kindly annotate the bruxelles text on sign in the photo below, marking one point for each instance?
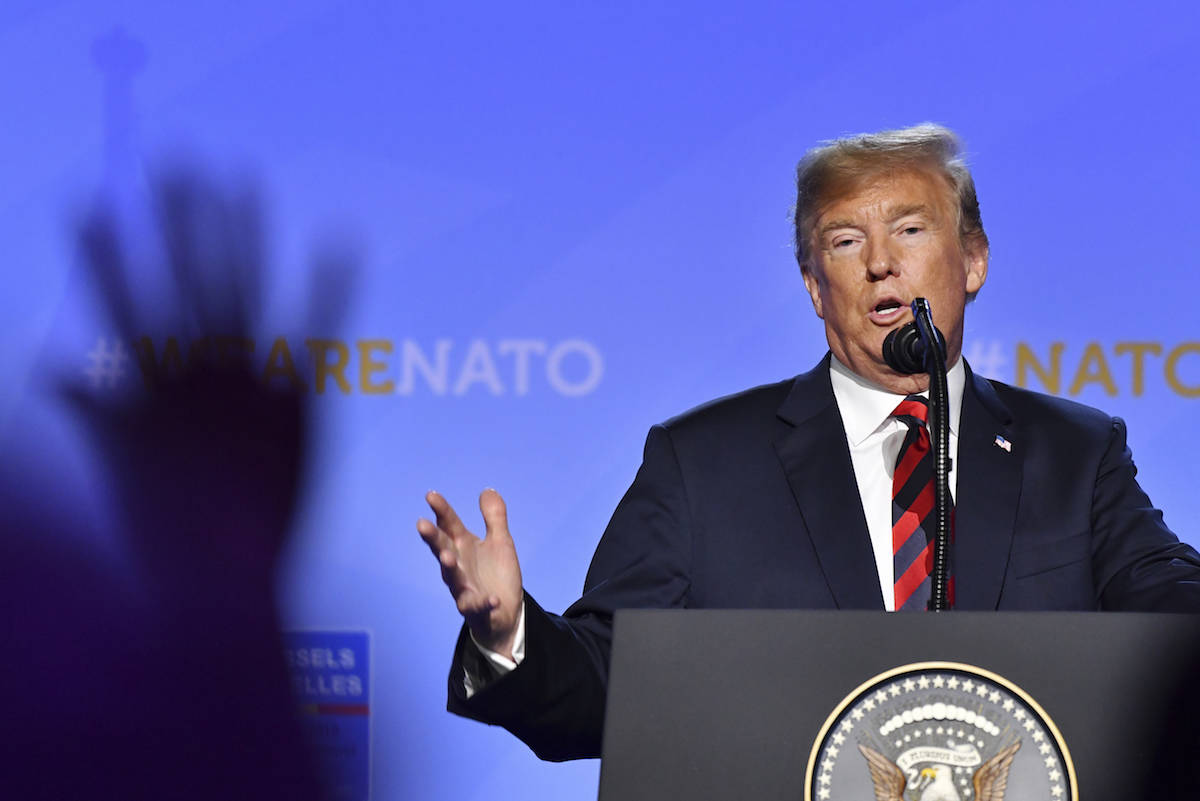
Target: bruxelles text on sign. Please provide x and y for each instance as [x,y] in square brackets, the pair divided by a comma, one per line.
[330,673]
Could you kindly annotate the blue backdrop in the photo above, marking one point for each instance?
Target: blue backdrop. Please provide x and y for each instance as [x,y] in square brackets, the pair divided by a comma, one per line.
[573,220]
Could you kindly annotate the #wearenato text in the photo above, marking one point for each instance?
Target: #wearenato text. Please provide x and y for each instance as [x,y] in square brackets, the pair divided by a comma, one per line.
[571,367]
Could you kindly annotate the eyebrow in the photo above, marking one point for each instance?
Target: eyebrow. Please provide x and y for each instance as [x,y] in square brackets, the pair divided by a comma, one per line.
[904,211]
[893,215]
[833,225]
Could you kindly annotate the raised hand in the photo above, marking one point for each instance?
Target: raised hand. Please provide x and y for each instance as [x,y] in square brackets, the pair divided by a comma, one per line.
[483,575]
[207,463]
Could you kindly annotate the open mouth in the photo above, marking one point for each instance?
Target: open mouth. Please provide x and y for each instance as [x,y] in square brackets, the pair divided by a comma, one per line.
[887,311]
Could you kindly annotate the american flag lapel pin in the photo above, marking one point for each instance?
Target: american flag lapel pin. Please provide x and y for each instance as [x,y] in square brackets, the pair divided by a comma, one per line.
[1001,442]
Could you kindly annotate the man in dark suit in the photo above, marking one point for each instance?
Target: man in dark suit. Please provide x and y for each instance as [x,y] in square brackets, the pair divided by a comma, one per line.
[782,496]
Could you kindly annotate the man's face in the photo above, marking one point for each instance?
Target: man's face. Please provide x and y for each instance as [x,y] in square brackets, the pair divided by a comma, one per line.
[875,250]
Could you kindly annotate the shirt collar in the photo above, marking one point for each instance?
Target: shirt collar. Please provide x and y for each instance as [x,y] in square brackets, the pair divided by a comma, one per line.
[866,406]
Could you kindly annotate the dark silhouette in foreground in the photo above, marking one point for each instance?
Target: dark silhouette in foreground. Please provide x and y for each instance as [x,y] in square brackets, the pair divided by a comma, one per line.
[157,673]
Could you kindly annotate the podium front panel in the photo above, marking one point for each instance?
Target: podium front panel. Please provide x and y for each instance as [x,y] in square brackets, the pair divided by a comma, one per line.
[726,704]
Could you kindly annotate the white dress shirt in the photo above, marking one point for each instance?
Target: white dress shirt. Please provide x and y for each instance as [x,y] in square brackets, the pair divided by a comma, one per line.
[874,437]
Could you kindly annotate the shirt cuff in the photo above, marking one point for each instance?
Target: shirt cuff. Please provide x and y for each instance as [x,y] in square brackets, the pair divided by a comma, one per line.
[496,664]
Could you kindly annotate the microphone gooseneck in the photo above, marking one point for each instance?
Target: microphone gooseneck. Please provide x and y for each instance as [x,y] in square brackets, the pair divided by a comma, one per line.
[920,347]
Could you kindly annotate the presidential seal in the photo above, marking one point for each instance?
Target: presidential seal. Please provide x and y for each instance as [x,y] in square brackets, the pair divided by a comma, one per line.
[939,731]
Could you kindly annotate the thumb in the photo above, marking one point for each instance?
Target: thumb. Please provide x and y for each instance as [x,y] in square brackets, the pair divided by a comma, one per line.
[495,513]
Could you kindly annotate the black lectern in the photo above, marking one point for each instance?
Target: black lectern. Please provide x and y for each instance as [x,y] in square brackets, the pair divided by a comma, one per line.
[964,706]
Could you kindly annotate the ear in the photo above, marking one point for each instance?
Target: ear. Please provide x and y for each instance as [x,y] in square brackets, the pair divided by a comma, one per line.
[813,284]
[976,264]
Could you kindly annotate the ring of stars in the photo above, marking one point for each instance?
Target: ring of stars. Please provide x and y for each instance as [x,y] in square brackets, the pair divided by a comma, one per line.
[970,716]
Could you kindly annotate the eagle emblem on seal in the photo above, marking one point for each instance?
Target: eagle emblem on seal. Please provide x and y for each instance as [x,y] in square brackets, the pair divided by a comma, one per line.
[939,731]
[934,781]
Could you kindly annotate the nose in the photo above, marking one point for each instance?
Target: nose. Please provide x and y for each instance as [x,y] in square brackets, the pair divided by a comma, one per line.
[881,259]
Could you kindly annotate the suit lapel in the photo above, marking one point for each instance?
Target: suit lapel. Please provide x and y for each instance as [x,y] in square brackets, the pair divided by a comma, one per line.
[989,489]
[816,459]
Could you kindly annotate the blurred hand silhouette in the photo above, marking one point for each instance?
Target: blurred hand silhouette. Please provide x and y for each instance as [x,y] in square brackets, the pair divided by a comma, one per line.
[208,463]
[168,680]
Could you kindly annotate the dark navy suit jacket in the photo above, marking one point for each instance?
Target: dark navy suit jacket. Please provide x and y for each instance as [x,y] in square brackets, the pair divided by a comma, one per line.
[750,501]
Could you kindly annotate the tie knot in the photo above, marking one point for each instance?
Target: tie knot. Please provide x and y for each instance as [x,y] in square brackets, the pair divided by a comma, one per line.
[913,410]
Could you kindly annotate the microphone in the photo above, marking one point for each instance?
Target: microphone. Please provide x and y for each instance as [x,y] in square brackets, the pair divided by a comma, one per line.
[905,350]
[920,348]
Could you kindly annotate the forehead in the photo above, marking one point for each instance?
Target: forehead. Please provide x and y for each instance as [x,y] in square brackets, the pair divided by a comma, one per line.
[888,194]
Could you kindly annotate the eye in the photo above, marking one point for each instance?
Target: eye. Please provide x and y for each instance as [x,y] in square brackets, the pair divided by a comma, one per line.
[911,230]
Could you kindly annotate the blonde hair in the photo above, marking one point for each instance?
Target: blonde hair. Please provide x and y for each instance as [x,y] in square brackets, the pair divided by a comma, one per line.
[838,167]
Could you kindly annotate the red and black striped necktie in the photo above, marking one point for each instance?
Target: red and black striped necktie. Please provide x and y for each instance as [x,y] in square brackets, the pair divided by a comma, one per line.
[913,519]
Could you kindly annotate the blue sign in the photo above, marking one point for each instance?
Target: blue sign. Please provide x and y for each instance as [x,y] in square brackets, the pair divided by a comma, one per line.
[330,672]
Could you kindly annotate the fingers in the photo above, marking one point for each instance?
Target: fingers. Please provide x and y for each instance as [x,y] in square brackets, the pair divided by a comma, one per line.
[435,538]
[333,276]
[446,548]
[447,555]
[495,513]
[442,537]
[470,602]
[180,215]
[447,518]
[105,259]
[249,257]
